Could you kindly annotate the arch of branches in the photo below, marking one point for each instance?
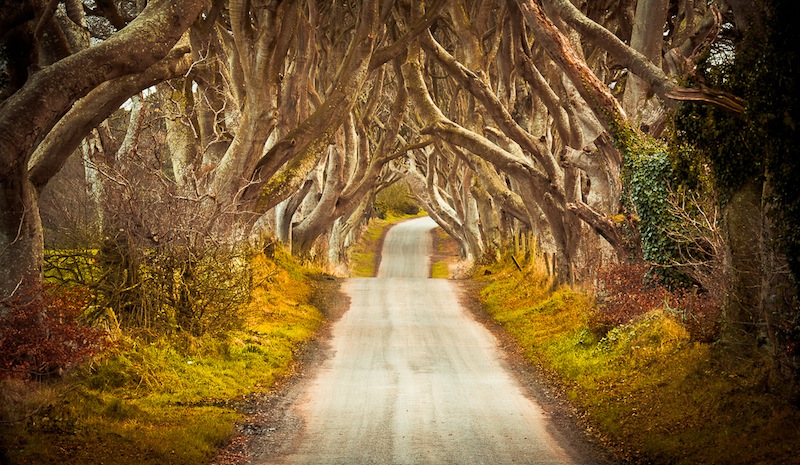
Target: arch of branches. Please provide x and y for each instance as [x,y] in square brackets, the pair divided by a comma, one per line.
[218,118]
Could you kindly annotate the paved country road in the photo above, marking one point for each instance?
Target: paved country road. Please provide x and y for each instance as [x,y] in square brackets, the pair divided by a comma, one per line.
[413,379]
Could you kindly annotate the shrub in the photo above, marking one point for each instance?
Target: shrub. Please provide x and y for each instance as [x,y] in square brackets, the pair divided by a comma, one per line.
[627,291]
[699,311]
[198,287]
[40,333]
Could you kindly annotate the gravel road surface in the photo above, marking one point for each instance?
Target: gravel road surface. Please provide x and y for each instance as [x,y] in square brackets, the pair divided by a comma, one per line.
[413,379]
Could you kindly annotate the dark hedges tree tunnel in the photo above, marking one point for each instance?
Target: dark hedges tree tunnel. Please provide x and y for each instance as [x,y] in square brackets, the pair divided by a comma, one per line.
[657,131]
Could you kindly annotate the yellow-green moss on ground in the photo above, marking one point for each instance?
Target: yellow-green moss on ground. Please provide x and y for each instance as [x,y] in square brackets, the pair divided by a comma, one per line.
[171,400]
[654,394]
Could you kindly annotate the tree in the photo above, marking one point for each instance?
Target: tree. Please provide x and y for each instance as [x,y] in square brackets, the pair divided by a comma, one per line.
[31,112]
[753,166]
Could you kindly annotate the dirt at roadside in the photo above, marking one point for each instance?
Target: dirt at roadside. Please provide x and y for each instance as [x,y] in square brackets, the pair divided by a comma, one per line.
[271,429]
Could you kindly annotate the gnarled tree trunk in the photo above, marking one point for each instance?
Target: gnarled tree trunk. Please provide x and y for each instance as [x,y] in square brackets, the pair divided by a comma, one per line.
[30,113]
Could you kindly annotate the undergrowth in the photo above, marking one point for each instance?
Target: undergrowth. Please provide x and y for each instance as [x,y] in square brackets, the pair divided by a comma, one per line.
[41,334]
[168,400]
[439,270]
[653,391]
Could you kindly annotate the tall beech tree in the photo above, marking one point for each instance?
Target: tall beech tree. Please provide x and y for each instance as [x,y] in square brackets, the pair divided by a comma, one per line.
[48,93]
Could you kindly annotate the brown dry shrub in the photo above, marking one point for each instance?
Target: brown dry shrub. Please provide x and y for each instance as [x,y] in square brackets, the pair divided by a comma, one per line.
[699,312]
[40,333]
[626,291]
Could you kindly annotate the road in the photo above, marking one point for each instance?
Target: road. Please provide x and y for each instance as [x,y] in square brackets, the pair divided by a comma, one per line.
[413,379]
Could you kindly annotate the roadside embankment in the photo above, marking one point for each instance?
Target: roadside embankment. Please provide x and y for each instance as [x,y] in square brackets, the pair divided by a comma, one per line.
[169,398]
[645,388]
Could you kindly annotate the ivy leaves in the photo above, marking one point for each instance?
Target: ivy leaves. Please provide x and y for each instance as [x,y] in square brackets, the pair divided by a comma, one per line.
[647,191]
[647,174]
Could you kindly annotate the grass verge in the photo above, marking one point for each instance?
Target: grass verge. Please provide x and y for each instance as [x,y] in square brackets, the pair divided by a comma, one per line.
[364,255]
[650,393]
[445,254]
[171,400]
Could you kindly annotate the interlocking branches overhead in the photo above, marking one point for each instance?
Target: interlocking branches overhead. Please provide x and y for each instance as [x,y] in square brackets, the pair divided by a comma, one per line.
[503,115]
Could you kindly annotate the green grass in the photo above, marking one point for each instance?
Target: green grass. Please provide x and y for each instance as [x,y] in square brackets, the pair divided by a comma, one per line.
[440,270]
[167,401]
[650,391]
[445,253]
